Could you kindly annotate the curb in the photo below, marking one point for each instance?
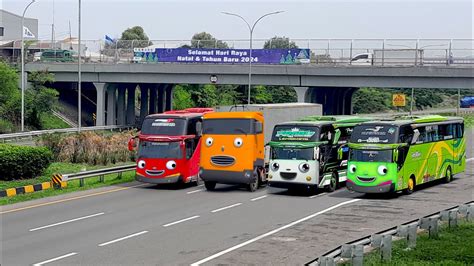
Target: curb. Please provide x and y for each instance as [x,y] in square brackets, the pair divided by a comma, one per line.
[10,192]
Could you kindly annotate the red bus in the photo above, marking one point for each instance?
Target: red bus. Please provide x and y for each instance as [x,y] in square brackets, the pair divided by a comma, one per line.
[169,147]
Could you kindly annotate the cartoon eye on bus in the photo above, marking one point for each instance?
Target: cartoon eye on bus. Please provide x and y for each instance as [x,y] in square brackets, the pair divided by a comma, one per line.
[169,147]
[311,153]
[398,155]
[232,151]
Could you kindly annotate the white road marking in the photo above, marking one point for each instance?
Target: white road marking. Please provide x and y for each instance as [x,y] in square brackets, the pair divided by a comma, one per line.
[201,185]
[259,198]
[318,195]
[272,232]
[180,221]
[122,238]
[55,259]
[68,221]
[470,159]
[194,191]
[227,207]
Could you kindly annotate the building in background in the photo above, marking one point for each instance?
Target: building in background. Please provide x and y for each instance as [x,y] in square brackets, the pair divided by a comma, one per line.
[10,26]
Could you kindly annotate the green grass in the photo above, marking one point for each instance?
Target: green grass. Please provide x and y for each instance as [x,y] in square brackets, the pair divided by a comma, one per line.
[453,247]
[72,185]
[50,121]
[468,120]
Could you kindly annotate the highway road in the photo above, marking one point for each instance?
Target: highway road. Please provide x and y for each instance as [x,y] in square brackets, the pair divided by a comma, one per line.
[140,224]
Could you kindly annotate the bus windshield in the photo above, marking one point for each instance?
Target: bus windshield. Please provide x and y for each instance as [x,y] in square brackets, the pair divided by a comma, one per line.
[374,134]
[293,153]
[295,133]
[160,150]
[370,155]
[228,126]
[164,126]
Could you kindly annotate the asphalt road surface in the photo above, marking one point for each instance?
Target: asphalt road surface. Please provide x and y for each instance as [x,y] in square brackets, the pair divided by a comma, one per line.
[140,224]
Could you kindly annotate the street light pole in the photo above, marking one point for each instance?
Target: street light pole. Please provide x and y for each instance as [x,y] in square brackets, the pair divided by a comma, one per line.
[79,81]
[23,66]
[251,29]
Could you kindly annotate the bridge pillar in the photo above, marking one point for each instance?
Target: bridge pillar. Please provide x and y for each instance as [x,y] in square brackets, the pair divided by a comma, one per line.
[161,94]
[169,98]
[335,101]
[143,102]
[302,93]
[111,104]
[130,119]
[153,95]
[121,105]
[100,105]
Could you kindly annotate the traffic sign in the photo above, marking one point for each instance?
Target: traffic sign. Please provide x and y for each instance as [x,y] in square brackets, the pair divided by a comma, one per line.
[398,100]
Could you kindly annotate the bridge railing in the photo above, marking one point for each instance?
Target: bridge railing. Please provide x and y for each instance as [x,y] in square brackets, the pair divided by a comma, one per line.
[451,52]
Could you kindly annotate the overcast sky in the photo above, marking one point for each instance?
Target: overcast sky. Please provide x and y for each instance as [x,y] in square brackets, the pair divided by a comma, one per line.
[301,19]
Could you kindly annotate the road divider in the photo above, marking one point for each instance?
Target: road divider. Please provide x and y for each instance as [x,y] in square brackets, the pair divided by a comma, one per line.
[122,238]
[68,221]
[10,192]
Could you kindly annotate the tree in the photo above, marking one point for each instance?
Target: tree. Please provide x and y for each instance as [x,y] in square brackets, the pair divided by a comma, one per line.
[206,40]
[279,43]
[182,98]
[40,99]
[10,99]
[136,35]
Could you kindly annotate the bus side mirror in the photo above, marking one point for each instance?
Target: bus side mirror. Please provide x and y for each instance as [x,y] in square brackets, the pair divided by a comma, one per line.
[416,135]
[395,155]
[199,129]
[316,153]
[258,127]
[339,153]
[337,135]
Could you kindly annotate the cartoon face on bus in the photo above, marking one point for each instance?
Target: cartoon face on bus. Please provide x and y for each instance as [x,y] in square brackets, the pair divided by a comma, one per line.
[169,147]
[232,148]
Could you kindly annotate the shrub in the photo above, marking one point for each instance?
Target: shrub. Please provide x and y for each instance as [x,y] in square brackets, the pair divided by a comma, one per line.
[89,147]
[20,162]
[6,126]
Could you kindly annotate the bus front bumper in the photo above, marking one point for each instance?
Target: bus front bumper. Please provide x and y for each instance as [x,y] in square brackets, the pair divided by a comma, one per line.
[162,180]
[384,188]
[227,177]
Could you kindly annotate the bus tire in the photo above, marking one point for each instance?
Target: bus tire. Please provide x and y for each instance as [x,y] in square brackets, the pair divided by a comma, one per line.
[411,186]
[252,187]
[449,175]
[210,185]
[333,183]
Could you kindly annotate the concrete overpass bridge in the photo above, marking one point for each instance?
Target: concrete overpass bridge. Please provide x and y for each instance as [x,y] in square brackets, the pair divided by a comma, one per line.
[112,86]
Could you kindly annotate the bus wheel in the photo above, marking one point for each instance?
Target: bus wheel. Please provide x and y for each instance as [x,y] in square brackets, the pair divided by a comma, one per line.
[411,186]
[333,183]
[449,175]
[210,185]
[255,184]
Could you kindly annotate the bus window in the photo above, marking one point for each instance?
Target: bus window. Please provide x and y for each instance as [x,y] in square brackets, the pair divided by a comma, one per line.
[406,134]
[446,132]
[422,138]
[431,133]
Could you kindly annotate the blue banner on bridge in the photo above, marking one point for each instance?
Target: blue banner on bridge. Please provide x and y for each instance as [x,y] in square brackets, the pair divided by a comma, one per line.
[222,56]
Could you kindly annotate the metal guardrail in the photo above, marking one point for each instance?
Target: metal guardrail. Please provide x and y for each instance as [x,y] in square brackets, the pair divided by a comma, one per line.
[100,173]
[428,222]
[436,52]
[462,111]
[31,134]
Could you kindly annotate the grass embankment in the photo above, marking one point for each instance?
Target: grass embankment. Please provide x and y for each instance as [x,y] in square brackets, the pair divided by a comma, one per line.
[454,246]
[49,121]
[468,120]
[63,168]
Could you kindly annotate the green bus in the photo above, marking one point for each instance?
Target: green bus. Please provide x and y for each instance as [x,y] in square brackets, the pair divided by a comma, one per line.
[311,153]
[58,56]
[399,154]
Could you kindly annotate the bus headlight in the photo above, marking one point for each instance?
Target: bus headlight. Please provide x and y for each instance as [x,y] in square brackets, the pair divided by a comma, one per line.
[304,167]
[352,168]
[382,170]
[141,164]
[275,167]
